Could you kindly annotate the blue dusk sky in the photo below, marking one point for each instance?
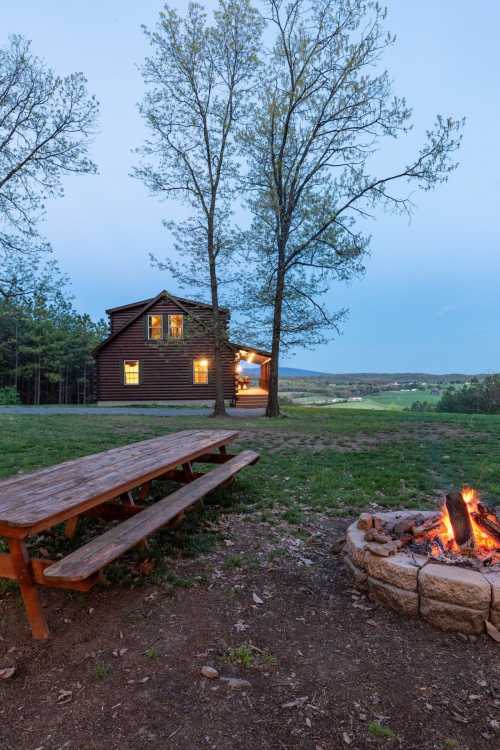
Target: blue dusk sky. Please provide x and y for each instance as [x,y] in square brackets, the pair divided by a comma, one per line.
[430,298]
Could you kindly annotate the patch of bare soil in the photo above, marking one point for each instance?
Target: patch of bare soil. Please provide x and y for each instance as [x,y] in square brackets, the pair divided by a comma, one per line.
[278,441]
[323,668]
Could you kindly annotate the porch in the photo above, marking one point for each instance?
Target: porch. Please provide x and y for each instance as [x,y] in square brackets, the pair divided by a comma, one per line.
[251,387]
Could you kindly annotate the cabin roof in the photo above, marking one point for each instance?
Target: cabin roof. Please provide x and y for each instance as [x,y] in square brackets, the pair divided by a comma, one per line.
[144,302]
[144,305]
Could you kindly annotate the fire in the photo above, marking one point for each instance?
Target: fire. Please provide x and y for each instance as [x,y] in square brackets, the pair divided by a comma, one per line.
[483,541]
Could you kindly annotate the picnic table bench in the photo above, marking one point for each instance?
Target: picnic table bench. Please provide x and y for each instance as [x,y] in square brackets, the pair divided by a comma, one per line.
[101,485]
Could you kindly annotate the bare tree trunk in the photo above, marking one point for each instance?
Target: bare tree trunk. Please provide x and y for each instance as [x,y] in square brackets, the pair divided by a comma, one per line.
[218,334]
[16,359]
[273,406]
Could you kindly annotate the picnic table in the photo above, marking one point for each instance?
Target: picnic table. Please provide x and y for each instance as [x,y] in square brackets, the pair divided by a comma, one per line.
[101,485]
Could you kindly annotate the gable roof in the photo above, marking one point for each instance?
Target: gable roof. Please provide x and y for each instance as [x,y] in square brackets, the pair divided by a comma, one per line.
[142,310]
[142,303]
[146,305]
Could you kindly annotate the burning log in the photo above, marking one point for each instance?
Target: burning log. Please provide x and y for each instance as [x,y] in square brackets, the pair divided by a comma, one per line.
[460,519]
[487,523]
[432,523]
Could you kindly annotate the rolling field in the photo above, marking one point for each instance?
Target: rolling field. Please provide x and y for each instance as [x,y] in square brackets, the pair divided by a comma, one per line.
[390,400]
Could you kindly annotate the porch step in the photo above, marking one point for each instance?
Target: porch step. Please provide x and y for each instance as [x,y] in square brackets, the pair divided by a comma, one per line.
[251,402]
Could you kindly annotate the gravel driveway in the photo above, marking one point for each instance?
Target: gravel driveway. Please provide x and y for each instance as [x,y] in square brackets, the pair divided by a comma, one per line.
[153,411]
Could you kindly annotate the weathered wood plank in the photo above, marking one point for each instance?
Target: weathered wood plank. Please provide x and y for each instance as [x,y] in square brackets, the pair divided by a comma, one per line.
[49,496]
[106,548]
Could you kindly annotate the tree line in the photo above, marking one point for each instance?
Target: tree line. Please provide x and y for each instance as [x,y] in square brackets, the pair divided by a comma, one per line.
[278,109]
[478,396]
[45,349]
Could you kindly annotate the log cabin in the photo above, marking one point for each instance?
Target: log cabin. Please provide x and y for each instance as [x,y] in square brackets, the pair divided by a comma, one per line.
[161,351]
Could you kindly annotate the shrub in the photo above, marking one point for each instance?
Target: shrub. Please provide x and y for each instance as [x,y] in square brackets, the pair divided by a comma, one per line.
[8,396]
[476,397]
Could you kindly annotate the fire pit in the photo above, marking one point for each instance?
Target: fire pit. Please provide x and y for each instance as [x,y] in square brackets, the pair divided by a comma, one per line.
[443,566]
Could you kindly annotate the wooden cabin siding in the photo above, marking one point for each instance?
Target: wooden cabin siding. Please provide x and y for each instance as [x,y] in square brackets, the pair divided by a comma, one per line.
[118,319]
[166,367]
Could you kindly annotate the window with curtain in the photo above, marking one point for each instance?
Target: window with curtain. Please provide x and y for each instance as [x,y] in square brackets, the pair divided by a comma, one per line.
[131,372]
[176,326]
[200,371]
[155,327]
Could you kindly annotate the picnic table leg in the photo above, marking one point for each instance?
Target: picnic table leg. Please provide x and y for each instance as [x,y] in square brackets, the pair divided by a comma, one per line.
[188,472]
[144,491]
[29,592]
[70,527]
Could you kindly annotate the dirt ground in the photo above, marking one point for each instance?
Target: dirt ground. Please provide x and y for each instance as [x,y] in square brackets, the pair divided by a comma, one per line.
[322,667]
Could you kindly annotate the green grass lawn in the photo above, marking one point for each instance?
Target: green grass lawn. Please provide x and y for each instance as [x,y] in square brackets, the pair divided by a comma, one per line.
[334,461]
[323,458]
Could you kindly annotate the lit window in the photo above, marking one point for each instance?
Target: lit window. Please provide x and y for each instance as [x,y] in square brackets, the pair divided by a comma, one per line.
[176,326]
[155,327]
[131,372]
[200,371]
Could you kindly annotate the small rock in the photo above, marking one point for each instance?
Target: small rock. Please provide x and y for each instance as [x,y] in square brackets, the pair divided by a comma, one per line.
[492,631]
[235,682]
[209,672]
[338,545]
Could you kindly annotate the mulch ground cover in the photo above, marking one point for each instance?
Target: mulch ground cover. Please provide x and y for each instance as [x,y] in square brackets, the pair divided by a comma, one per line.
[303,660]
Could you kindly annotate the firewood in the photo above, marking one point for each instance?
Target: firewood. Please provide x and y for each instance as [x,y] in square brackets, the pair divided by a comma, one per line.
[431,523]
[460,519]
[487,523]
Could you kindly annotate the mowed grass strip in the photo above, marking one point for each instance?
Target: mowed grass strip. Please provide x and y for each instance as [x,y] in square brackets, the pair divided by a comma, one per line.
[347,458]
[312,460]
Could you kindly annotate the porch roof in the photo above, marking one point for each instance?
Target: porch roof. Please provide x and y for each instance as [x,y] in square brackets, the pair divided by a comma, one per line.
[260,354]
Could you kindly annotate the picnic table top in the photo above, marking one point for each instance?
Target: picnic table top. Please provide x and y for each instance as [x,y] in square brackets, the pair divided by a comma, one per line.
[48,496]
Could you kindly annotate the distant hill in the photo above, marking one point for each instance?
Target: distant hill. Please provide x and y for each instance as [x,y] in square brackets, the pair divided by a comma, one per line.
[296,372]
[402,378]
[288,372]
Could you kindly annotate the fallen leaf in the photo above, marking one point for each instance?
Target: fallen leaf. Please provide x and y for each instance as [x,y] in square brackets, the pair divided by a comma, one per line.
[296,703]
[257,599]
[347,738]
[6,673]
[459,718]
[146,567]
[64,696]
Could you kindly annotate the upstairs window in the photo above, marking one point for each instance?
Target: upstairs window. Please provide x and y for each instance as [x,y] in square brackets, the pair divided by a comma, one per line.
[200,371]
[175,326]
[155,327]
[131,372]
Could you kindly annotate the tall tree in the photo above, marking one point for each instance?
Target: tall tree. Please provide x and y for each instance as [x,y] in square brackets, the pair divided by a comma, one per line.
[45,125]
[199,81]
[325,106]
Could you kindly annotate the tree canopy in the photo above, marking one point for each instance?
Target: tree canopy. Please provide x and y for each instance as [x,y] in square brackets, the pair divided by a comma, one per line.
[325,108]
[199,80]
[46,122]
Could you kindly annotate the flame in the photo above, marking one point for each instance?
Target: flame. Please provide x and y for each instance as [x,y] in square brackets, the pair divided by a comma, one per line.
[483,541]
